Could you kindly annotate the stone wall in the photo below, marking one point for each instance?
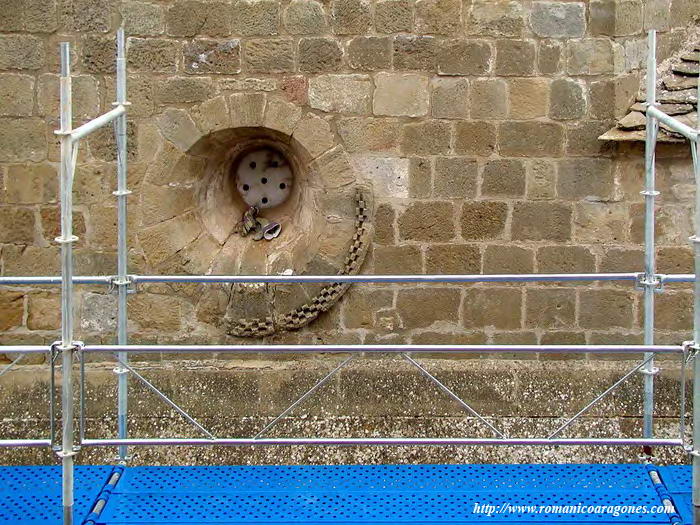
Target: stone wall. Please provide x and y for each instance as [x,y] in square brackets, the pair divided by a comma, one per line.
[475,122]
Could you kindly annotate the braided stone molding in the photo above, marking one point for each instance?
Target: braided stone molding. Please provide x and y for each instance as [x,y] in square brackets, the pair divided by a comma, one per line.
[327,296]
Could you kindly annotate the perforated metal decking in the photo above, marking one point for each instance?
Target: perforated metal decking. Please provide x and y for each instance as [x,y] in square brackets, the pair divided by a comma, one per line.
[383,494]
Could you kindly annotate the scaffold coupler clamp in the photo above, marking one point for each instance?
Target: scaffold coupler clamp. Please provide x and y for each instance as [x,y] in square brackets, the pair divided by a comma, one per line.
[115,282]
[690,351]
[656,282]
[654,370]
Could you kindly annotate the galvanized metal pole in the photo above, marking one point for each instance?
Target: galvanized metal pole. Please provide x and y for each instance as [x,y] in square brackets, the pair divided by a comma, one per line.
[122,276]
[649,282]
[66,240]
[696,324]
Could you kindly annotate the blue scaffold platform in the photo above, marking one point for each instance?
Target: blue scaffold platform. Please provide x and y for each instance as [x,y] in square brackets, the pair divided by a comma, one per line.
[378,494]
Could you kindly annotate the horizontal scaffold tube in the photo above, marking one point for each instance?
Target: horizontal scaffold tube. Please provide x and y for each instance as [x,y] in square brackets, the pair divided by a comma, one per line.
[378,349]
[247,442]
[297,279]
[674,124]
[25,443]
[95,124]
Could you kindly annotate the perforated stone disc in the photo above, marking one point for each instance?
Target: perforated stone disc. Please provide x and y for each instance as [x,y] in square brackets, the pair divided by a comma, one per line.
[264,178]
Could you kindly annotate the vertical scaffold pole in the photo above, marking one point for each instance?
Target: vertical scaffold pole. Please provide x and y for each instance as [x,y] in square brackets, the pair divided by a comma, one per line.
[695,148]
[650,193]
[66,240]
[122,276]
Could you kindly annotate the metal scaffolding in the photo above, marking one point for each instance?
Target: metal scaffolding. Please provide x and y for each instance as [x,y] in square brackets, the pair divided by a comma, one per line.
[69,349]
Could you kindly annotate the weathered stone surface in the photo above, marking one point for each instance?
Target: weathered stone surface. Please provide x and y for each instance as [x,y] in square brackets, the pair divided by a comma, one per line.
[657,15]
[582,138]
[246,109]
[142,18]
[36,16]
[51,223]
[255,17]
[86,99]
[601,222]
[387,259]
[341,93]
[175,90]
[360,306]
[157,313]
[393,16]
[558,19]
[154,55]
[178,127]
[589,179]
[551,308]
[528,139]
[270,56]
[98,54]
[427,221]
[674,311]
[503,18]
[549,57]
[361,134]
[167,238]
[420,173]
[422,307]
[483,220]
[504,178]
[439,17]
[515,58]
[449,98]
[541,221]
[611,99]
[281,115]
[384,230]
[319,55]
[87,15]
[369,53]
[314,133]
[16,225]
[22,140]
[250,84]
[30,184]
[675,260]
[592,56]
[616,18]
[528,97]
[488,99]
[33,260]
[16,95]
[160,203]
[455,177]
[567,100]
[204,56]
[415,52]
[44,311]
[389,175]
[452,259]
[350,17]
[606,309]
[211,115]
[302,17]
[11,309]
[492,307]
[508,260]
[21,52]
[475,138]
[400,94]
[191,18]
[426,138]
[622,260]
[103,146]
[565,259]
[295,89]
[464,57]
[541,179]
